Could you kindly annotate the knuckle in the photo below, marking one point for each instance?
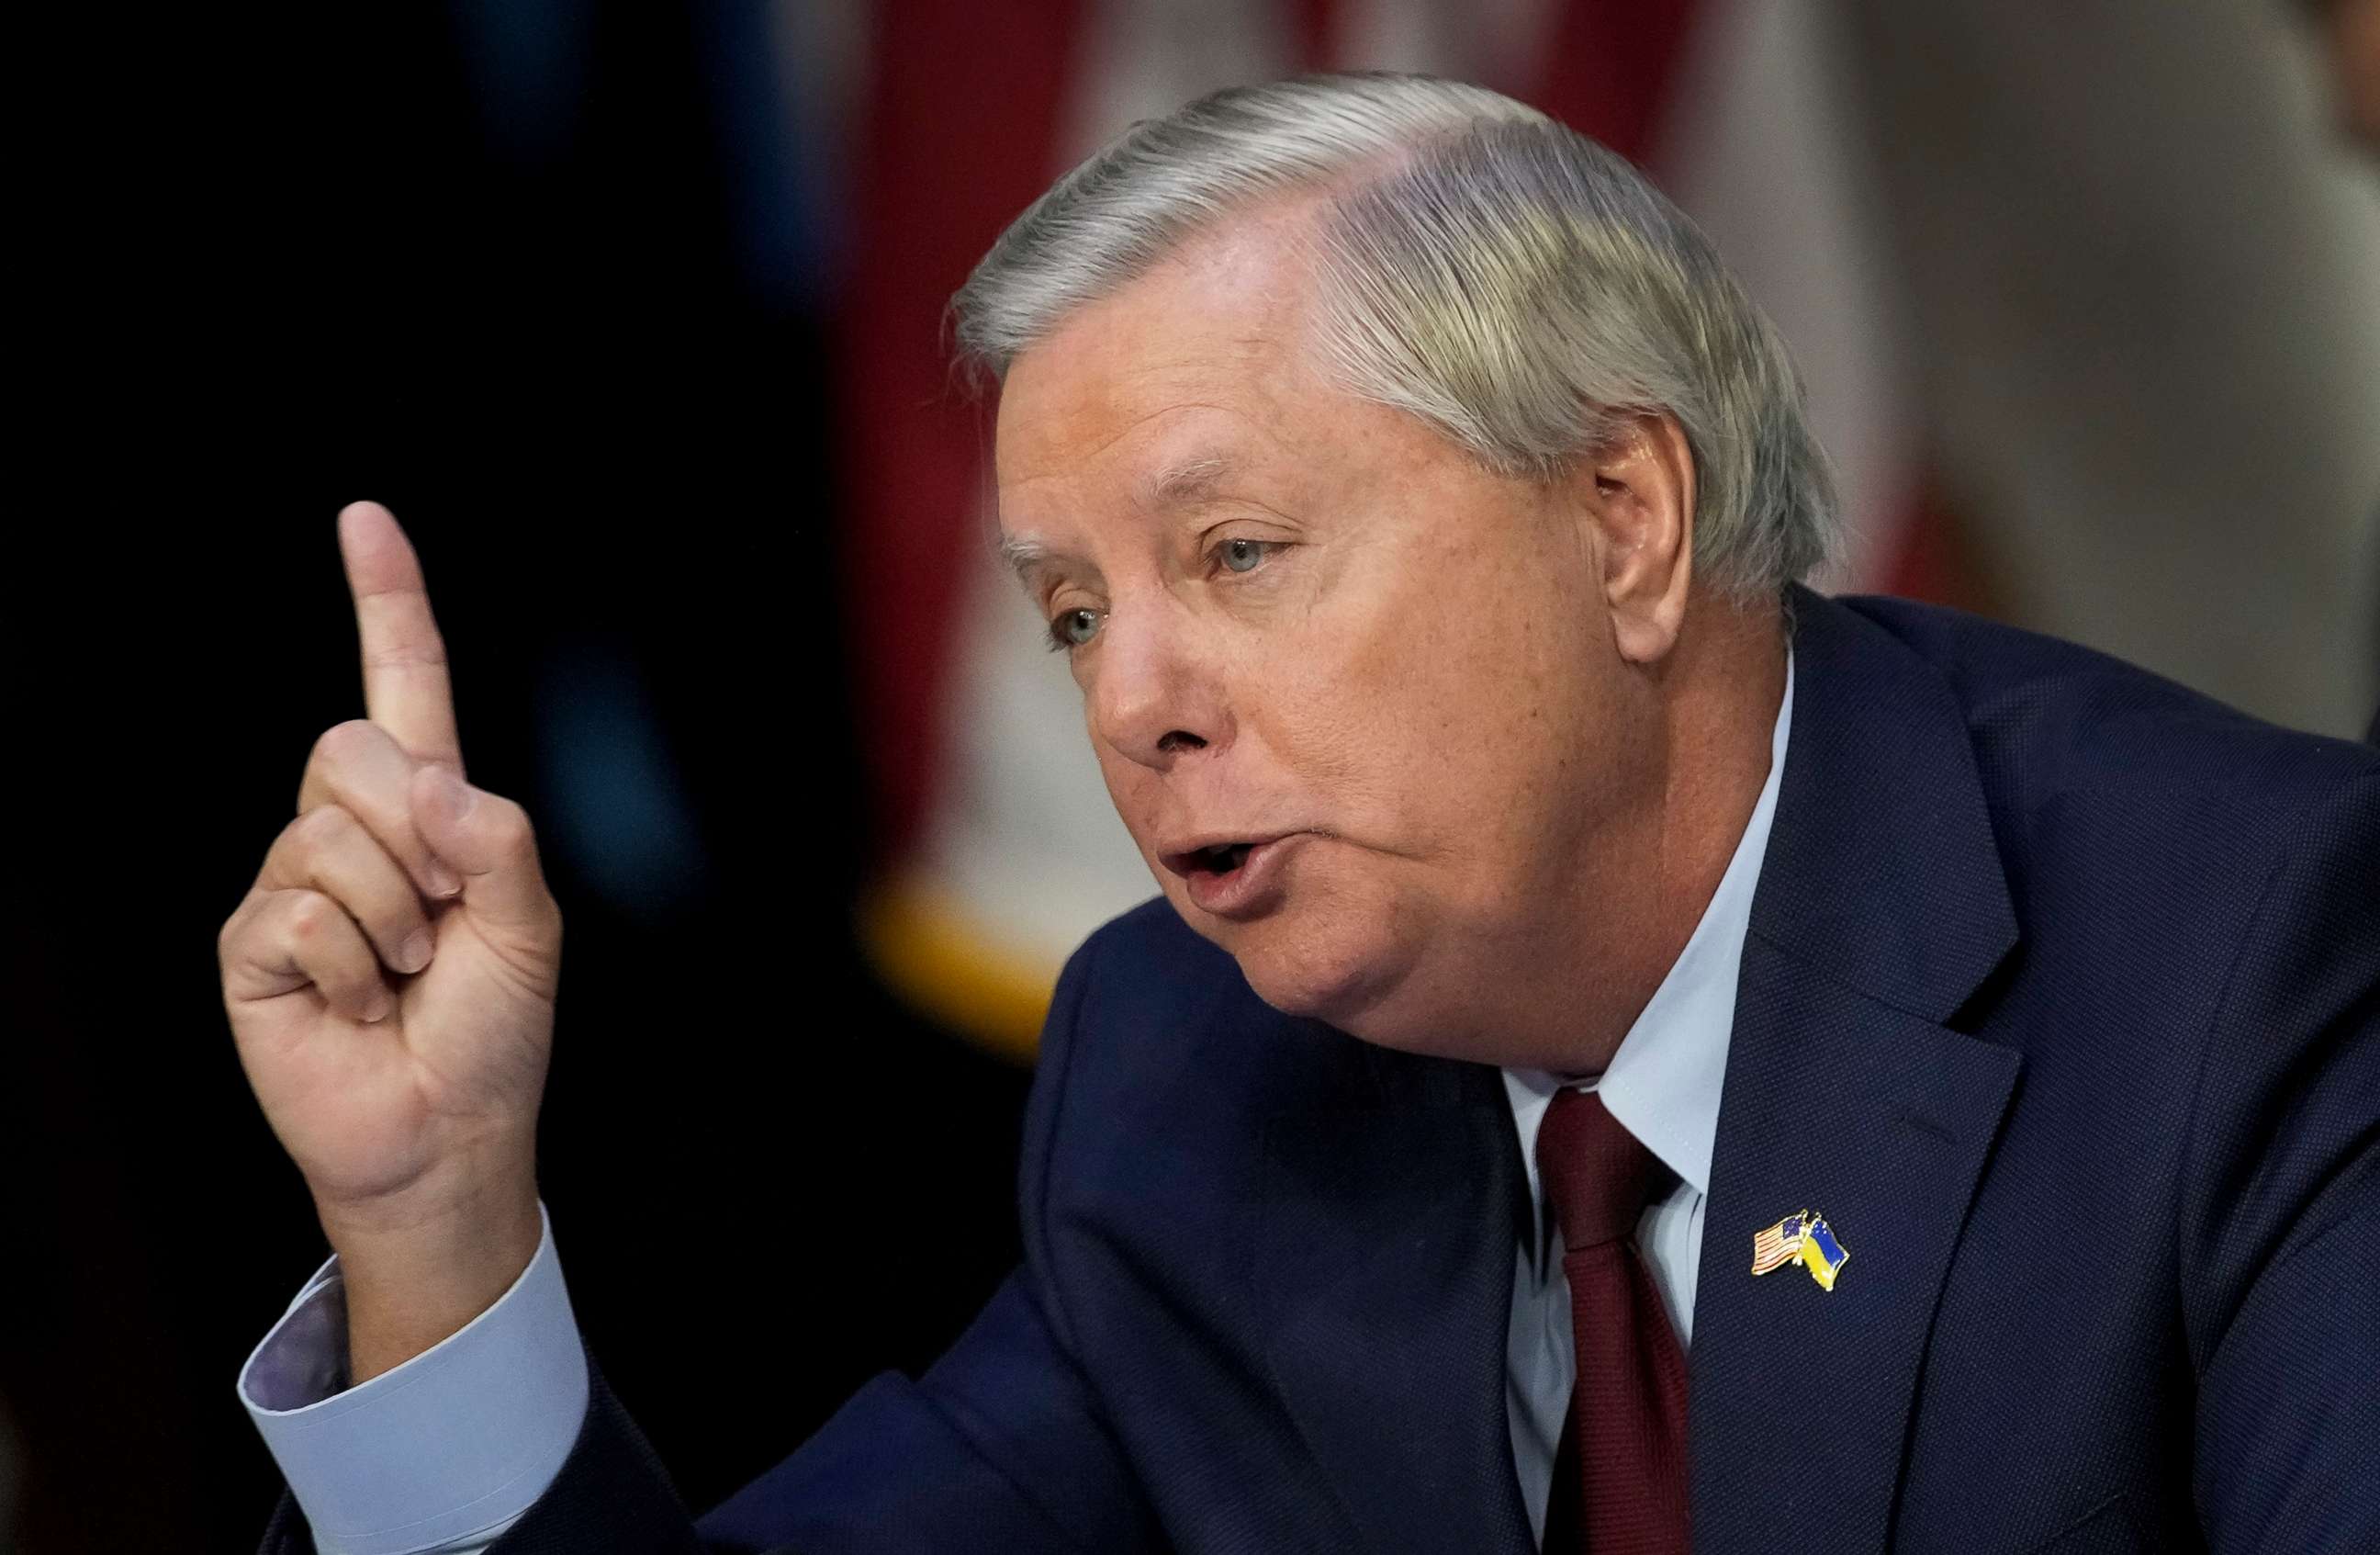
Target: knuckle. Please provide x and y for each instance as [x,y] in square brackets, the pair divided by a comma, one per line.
[309,914]
[318,830]
[510,828]
[418,648]
[229,938]
[342,743]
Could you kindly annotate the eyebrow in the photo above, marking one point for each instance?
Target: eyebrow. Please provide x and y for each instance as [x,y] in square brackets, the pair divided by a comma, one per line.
[1185,483]
[1191,481]
[1025,558]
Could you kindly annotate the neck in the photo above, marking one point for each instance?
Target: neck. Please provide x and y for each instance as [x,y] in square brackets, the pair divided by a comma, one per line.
[1708,727]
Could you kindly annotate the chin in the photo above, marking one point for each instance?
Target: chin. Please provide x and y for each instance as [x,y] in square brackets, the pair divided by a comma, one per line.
[1342,947]
[1338,971]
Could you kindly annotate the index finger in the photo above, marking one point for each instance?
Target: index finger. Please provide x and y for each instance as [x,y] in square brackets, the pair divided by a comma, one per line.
[405,690]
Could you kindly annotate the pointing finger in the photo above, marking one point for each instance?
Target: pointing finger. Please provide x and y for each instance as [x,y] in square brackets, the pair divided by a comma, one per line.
[406,688]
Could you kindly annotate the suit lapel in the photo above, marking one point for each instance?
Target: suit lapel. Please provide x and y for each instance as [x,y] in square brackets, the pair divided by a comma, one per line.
[1881,909]
[1386,1260]
[1880,1122]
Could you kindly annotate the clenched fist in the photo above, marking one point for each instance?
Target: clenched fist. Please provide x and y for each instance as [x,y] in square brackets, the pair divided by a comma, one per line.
[390,978]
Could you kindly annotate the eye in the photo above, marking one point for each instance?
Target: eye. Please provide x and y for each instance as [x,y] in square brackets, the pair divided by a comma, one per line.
[1073,628]
[1243,555]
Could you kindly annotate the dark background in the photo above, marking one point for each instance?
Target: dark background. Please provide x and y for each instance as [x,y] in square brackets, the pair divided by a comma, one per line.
[296,264]
[554,280]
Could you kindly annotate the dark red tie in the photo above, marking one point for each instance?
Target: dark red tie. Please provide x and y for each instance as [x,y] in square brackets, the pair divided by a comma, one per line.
[1619,1475]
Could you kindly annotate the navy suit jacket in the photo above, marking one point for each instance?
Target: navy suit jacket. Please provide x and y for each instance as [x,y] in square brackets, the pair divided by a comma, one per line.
[2062,999]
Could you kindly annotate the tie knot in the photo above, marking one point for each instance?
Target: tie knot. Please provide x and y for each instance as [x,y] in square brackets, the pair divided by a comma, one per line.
[1595,1173]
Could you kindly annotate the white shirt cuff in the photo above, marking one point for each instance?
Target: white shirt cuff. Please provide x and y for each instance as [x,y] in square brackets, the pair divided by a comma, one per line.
[444,1451]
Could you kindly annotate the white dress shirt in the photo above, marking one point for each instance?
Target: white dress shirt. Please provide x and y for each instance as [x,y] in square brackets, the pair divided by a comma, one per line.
[440,1455]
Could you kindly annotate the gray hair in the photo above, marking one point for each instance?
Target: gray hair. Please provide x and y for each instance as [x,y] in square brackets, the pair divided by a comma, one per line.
[1511,282]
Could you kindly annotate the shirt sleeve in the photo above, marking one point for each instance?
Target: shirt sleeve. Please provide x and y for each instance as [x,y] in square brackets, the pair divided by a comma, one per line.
[437,1456]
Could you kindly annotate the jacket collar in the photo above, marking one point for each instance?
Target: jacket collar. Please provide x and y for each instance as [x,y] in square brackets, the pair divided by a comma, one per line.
[1882,871]
[1882,908]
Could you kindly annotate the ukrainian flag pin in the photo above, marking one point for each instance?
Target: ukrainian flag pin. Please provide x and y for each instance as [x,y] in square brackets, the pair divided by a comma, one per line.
[1804,1238]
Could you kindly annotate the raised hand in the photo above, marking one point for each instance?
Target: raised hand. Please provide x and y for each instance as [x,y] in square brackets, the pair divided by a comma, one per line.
[390,978]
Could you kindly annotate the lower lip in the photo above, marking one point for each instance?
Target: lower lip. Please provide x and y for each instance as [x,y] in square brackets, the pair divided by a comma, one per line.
[1250,890]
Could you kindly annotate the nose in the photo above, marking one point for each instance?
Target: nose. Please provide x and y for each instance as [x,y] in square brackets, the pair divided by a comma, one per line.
[1153,697]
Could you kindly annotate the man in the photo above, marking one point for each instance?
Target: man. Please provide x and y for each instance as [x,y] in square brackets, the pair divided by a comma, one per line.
[1565,916]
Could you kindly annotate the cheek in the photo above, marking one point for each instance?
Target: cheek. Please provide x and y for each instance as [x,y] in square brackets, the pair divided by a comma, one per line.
[1441,698]
[1134,790]
[1467,732]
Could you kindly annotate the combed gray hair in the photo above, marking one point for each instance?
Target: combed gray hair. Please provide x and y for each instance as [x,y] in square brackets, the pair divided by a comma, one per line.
[1507,280]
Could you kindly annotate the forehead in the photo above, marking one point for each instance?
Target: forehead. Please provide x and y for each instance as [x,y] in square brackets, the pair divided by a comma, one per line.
[1204,360]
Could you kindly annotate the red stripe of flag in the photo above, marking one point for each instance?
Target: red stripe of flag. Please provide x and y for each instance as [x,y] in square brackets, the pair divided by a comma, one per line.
[1611,70]
[960,135]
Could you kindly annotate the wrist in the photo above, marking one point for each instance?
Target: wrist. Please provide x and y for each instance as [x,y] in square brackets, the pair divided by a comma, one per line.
[416,1272]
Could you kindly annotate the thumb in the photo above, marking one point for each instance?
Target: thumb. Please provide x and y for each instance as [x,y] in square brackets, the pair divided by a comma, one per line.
[489,841]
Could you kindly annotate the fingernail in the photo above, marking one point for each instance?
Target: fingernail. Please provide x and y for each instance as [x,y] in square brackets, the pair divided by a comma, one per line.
[443,881]
[415,956]
[377,1007]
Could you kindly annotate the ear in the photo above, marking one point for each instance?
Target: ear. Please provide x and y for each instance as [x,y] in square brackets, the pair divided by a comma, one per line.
[1642,506]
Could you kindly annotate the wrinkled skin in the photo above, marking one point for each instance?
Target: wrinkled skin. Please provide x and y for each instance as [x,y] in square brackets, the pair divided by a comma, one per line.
[1516,741]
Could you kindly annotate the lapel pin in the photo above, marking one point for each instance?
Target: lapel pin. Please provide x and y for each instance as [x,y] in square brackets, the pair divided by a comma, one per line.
[1804,1238]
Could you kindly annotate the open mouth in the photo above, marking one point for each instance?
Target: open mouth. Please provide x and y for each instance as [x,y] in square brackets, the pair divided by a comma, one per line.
[1235,879]
[1221,859]
[1216,860]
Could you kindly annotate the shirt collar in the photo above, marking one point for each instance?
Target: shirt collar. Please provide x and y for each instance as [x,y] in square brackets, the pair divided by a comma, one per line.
[1663,1081]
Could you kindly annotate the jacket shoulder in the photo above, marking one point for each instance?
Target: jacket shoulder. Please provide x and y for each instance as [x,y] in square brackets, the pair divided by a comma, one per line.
[1149,1012]
[2055,723]
[2150,838]
[1152,943]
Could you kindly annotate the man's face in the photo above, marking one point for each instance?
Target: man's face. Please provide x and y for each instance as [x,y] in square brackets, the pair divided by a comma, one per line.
[1315,624]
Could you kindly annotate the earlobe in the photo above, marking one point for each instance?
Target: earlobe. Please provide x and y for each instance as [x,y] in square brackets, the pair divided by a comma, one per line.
[1643,495]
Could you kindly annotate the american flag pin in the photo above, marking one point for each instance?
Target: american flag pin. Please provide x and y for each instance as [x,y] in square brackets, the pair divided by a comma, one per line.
[1804,1238]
